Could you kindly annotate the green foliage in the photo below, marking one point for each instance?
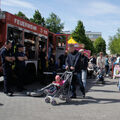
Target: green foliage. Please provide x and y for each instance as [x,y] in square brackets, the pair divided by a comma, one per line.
[22,15]
[37,18]
[90,45]
[53,23]
[114,43]
[80,37]
[79,33]
[100,45]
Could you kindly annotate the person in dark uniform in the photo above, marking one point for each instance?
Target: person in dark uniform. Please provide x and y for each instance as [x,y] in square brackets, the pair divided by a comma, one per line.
[7,61]
[20,66]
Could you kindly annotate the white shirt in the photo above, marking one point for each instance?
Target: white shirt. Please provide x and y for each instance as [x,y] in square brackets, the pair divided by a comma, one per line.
[101,62]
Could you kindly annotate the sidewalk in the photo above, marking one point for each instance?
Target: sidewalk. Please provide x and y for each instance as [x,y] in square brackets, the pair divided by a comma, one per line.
[102,103]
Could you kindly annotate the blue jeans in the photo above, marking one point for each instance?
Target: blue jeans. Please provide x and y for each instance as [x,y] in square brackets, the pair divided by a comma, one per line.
[79,78]
[84,76]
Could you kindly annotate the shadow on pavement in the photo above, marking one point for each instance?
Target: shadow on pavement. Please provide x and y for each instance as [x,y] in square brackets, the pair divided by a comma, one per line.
[90,100]
[1,104]
[110,83]
[107,91]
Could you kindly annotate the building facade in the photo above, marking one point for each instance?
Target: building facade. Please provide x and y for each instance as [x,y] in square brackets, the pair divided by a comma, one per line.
[93,35]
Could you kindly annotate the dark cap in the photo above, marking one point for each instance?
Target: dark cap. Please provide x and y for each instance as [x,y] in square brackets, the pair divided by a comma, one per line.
[20,45]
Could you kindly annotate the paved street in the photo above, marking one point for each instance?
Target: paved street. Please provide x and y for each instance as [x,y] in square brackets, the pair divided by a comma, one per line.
[102,103]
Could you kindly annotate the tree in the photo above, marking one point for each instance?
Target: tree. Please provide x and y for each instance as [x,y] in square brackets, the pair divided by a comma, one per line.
[22,15]
[100,45]
[37,18]
[90,46]
[80,37]
[79,33]
[53,23]
[114,43]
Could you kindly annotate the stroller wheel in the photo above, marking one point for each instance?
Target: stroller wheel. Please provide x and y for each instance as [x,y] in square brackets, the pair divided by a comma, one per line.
[53,102]
[47,99]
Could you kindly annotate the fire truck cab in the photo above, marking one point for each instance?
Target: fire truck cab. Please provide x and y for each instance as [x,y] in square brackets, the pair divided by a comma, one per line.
[32,36]
[19,30]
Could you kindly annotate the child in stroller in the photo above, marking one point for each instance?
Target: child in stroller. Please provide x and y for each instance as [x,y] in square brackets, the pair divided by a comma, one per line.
[58,88]
[54,86]
[100,76]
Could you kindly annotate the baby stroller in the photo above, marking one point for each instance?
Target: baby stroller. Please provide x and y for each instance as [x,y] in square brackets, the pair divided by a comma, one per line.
[100,76]
[52,90]
[91,70]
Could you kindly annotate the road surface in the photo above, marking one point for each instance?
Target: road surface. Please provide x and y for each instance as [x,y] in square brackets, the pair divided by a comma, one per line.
[102,102]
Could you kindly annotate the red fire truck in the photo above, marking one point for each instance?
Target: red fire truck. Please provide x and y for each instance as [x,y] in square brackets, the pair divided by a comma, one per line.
[33,36]
[22,31]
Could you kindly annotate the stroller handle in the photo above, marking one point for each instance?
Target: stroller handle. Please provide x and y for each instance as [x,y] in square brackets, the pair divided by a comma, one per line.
[69,70]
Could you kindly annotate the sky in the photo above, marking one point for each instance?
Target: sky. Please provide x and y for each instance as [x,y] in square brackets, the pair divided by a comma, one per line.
[96,15]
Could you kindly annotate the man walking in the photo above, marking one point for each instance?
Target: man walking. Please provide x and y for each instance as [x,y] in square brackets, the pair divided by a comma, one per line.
[101,61]
[73,64]
[101,65]
[84,65]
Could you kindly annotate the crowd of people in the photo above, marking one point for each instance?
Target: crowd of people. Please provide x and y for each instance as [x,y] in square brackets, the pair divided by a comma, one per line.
[71,60]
